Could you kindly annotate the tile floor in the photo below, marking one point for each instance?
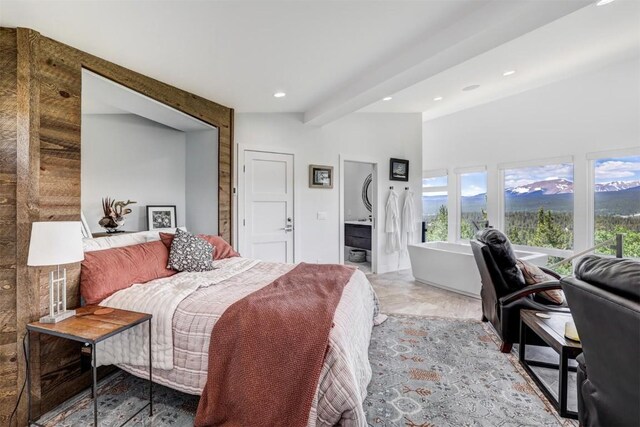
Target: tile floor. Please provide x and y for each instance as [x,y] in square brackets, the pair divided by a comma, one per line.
[365,267]
[400,293]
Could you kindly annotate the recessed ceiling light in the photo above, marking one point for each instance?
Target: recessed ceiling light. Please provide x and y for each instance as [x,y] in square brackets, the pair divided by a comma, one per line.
[387,98]
[279,94]
[437,98]
[509,73]
[603,2]
[471,87]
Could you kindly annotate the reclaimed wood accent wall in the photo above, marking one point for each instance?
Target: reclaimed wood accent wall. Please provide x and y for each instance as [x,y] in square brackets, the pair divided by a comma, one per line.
[41,89]
[8,146]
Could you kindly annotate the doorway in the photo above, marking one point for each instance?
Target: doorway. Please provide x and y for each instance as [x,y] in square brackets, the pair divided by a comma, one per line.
[358,214]
[267,224]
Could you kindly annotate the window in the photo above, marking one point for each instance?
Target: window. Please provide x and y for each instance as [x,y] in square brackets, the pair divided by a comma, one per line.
[617,203]
[538,205]
[434,206]
[473,203]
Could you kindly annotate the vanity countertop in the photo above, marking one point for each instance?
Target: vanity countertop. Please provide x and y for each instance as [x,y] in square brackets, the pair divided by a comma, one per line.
[356,222]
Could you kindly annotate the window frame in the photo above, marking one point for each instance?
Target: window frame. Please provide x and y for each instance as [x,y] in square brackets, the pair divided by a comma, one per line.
[502,167]
[458,173]
[435,173]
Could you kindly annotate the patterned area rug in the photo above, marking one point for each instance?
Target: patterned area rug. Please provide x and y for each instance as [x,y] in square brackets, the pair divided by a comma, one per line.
[427,372]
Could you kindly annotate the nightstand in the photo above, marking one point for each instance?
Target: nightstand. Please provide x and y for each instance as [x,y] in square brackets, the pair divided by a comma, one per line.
[91,328]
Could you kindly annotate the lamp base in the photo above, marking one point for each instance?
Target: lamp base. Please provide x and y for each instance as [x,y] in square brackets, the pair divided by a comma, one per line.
[58,317]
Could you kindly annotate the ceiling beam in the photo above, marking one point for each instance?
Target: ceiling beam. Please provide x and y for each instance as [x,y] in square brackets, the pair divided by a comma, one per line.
[491,25]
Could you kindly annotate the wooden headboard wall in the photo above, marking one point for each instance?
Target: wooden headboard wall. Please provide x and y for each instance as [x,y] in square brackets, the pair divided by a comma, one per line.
[40,119]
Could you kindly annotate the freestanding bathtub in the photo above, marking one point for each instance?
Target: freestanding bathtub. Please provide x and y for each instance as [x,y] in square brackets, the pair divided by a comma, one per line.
[452,266]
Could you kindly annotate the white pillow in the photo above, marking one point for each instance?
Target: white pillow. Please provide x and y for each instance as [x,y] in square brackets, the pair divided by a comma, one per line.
[120,240]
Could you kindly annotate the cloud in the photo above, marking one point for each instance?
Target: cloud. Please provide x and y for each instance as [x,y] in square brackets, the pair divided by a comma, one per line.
[472,190]
[617,169]
[522,176]
[438,181]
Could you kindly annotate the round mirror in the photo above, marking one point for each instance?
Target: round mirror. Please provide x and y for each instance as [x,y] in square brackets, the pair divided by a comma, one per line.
[366,192]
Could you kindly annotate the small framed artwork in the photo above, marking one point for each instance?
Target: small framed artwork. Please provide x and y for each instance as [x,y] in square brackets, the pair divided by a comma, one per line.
[159,217]
[320,176]
[399,170]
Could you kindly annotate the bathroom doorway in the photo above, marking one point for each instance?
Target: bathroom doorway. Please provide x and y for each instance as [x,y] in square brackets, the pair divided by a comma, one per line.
[358,214]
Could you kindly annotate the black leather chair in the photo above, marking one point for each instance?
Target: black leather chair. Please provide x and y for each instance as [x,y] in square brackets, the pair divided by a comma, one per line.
[604,297]
[504,292]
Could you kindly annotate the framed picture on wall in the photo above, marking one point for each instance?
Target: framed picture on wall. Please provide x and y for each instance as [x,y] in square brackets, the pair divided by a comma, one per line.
[159,217]
[320,176]
[399,170]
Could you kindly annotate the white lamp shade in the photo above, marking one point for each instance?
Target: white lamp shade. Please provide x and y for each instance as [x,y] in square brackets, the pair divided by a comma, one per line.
[55,243]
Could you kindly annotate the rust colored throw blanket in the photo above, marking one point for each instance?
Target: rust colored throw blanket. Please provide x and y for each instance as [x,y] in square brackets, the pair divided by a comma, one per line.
[267,350]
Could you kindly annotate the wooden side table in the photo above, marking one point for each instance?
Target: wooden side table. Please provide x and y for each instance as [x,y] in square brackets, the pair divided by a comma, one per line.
[551,331]
[90,328]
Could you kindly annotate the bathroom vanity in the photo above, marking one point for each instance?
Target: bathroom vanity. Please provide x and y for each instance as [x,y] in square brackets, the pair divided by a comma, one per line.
[357,234]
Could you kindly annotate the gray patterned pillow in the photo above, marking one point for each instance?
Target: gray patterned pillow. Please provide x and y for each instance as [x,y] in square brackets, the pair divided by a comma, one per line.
[190,253]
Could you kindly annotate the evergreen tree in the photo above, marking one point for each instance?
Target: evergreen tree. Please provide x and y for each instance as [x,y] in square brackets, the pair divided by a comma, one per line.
[438,228]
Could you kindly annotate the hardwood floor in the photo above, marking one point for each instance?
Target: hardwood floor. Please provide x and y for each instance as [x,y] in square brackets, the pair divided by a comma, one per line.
[400,293]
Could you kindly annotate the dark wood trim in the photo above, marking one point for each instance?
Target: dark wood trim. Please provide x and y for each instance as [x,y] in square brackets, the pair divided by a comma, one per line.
[40,180]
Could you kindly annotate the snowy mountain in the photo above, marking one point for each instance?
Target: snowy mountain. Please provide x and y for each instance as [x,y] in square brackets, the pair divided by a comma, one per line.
[616,186]
[551,186]
[563,186]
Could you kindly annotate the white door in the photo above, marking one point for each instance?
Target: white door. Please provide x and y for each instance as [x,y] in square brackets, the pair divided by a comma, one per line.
[268,206]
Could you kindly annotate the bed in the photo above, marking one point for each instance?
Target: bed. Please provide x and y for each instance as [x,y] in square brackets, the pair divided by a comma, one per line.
[186,306]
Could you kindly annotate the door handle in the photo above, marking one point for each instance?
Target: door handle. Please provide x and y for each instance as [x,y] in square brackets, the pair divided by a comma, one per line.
[287,228]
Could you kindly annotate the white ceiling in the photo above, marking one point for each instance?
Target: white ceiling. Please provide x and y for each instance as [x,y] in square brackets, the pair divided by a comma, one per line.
[103,96]
[336,57]
[585,40]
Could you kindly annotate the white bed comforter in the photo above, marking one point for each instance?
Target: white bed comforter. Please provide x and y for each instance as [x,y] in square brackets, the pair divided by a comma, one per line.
[186,306]
[160,298]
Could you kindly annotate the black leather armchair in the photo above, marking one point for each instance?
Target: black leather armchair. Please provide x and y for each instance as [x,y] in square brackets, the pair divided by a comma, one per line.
[604,298]
[504,292]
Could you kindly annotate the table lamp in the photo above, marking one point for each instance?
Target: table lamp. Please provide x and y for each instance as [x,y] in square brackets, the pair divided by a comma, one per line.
[53,244]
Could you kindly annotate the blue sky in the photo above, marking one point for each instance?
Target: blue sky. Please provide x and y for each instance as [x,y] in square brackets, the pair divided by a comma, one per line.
[438,181]
[618,169]
[472,184]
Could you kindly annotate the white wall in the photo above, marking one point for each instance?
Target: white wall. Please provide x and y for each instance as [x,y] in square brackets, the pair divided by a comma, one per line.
[587,113]
[354,175]
[125,156]
[202,182]
[366,137]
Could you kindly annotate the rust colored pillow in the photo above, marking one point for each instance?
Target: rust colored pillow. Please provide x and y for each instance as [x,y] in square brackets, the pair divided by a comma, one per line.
[105,272]
[534,275]
[221,249]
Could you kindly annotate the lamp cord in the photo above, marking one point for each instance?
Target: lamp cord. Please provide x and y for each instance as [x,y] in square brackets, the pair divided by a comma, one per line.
[24,384]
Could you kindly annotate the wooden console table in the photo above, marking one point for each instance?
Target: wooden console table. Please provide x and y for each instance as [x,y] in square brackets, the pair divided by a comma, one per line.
[551,331]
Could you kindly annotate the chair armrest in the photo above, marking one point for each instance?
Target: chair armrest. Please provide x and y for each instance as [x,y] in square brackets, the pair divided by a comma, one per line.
[528,290]
[550,272]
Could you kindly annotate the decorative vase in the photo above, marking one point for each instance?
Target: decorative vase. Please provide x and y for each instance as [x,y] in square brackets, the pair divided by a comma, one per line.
[111,225]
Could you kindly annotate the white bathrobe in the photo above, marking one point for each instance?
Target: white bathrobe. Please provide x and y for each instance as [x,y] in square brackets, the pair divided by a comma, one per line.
[392,223]
[408,219]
